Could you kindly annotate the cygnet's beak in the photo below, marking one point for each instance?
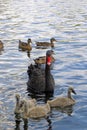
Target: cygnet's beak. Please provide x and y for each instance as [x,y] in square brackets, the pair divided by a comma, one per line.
[74,91]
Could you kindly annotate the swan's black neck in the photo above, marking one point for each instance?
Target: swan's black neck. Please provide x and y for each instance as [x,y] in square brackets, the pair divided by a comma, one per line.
[48,89]
[47,67]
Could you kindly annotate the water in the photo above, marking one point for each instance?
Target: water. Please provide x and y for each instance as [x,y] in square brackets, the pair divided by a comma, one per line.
[40,20]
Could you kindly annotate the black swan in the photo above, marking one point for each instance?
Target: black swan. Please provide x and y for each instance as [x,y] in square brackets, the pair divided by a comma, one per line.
[41,81]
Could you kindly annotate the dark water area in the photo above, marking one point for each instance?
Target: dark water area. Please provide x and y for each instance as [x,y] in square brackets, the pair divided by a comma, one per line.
[66,21]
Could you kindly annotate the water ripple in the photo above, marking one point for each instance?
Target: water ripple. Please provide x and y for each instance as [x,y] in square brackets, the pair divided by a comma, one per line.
[41,20]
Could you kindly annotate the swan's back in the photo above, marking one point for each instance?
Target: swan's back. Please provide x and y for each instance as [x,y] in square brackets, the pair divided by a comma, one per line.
[37,111]
[36,81]
[61,102]
[31,102]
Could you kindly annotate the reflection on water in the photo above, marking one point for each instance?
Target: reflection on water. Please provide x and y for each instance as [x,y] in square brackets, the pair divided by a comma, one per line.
[64,20]
[68,110]
[28,52]
[25,123]
[18,121]
[17,125]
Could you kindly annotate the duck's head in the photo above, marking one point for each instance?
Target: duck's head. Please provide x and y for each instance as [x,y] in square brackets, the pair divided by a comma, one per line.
[53,40]
[29,40]
[71,90]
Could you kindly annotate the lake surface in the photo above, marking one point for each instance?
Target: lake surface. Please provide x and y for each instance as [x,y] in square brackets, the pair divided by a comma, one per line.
[40,20]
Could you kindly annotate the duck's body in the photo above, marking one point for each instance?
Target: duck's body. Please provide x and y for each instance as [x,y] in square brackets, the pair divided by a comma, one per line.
[63,101]
[41,81]
[1,45]
[25,46]
[42,60]
[38,111]
[47,44]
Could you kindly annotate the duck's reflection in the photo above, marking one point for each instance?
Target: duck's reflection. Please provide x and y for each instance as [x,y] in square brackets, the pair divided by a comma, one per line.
[1,50]
[28,54]
[41,47]
[25,126]
[23,50]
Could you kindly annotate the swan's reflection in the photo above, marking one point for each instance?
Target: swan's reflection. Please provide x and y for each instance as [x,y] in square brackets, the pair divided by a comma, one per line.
[49,123]
[68,110]
[18,121]
[17,125]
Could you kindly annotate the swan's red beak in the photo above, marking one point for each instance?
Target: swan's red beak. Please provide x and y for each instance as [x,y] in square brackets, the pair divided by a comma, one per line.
[48,60]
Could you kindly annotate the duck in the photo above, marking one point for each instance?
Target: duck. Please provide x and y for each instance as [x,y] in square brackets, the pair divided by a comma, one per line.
[1,45]
[63,101]
[48,44]
[38,111]
[42,60]
[24,45]
[41,81]
[19,102]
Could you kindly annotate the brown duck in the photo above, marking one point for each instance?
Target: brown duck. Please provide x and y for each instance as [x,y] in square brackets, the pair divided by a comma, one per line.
[47,44]
[24,45]
[1,45]
[42,60]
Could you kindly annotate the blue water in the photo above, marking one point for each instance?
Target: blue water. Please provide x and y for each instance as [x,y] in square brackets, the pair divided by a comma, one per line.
[66,21]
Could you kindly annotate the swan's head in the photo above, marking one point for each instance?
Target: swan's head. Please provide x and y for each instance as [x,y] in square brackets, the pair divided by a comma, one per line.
[48,57]
[71,90]
[17,96]
[49,53]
